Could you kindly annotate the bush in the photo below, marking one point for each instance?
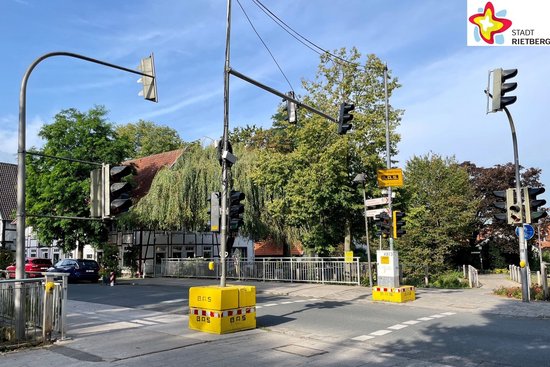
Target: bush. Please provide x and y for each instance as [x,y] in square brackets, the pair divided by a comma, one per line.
[537,293]
[452,279]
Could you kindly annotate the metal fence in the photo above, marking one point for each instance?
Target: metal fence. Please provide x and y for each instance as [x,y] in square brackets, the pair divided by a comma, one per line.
[305,269]
[45,310]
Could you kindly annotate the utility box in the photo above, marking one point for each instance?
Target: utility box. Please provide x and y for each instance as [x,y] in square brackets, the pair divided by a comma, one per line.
[387,267]
[221,310]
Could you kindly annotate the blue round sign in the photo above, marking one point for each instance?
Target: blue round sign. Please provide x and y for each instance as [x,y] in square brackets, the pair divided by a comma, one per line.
[528,231]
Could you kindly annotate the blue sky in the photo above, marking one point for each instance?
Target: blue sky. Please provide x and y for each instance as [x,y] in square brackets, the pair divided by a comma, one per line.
[422,41]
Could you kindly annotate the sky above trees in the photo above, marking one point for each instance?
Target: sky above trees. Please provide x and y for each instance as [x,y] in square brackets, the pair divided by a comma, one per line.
[422,41]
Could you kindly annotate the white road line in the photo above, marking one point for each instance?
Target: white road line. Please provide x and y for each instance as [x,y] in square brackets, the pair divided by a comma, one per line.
[425,319]
[301,300]
[270,304]
[315,299]
[448,313]
[287,302]
[397,327]
[411,322]
[362,338]
[258,306]
[380,332]
[438,316]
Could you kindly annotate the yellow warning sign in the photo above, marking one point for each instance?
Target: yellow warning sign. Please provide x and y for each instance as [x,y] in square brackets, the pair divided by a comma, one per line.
[348,256]
[390,177]
[385,260]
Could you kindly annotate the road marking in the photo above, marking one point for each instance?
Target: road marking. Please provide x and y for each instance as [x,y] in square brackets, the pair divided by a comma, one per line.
[287,302]
[258,306]
[400,326]
[425,319]
[381,332]
[362,338]
[174,301]
[397,327]
[270,304]
[301,300]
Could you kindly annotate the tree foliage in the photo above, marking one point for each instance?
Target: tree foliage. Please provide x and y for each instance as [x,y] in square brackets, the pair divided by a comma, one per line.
[62,188]
[498,240]
[147,138]
[440,211]
[308,168]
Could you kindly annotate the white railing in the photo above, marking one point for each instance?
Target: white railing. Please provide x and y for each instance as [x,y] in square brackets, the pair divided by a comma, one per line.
[308,270]
[45,309]
[472,275]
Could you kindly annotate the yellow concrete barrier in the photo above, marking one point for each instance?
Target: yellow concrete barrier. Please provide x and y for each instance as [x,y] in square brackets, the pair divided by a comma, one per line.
[222,310]
[401,294]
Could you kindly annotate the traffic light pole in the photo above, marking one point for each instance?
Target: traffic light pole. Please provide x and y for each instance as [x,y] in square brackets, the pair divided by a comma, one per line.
[19,301]
[225,145]
[522,243]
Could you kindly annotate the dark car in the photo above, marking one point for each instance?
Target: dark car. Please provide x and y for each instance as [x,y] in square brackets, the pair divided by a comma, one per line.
[78,269]
[34,266]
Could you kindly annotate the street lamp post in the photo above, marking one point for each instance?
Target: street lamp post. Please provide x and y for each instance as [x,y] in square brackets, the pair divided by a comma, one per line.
[19,302]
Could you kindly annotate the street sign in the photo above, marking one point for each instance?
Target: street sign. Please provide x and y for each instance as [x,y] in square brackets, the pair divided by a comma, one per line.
[528,231]
[391,177]
[377,201]
[374,212]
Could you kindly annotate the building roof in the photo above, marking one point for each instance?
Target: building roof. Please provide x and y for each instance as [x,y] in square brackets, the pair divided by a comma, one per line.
[8,190]
[269,248]
[147,168]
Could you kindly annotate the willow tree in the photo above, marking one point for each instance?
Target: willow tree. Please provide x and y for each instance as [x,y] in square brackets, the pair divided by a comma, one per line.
[309,174]
[177,199]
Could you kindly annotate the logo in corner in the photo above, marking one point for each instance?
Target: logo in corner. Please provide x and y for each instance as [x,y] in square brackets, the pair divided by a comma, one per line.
[490,25]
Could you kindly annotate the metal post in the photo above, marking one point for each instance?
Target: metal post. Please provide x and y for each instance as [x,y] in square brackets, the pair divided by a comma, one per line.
[225,167]
[21,183]
[367,234]
[388,152]
[522,243]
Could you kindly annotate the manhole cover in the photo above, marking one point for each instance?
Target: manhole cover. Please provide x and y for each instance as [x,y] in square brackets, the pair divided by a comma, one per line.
[300,350]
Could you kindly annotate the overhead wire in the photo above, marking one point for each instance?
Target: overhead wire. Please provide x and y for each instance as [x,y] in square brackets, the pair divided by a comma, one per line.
[265,45]
[300,38]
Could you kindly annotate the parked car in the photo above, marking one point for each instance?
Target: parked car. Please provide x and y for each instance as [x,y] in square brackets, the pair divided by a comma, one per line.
[78,269]
[34,266]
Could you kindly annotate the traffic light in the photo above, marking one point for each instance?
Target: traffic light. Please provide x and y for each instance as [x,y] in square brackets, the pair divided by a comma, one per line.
[500,88]
[514,208]
[236,210]
[398,224]
[383,223]
[149,81]
[229,245]
[501,205]
[532,204]
[214,212]
[344,117]
[292,109]
[116,191]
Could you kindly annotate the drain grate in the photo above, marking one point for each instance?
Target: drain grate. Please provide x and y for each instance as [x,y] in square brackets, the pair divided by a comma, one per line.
[300,350]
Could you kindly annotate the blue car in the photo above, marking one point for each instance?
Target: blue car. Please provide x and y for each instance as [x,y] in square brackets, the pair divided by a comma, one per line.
[78,269]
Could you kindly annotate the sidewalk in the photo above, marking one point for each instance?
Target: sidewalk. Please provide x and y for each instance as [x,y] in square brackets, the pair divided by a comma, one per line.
[102,335]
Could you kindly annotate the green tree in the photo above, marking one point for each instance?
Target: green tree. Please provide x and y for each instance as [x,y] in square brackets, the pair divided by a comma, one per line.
[498,240]
[308,172]
[440,212]
[147,138]
[62,188]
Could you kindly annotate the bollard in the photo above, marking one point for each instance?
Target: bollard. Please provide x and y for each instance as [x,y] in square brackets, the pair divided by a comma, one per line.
[112,278]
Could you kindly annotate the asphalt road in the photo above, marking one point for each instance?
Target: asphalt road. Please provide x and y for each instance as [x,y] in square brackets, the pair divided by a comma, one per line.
[454,338]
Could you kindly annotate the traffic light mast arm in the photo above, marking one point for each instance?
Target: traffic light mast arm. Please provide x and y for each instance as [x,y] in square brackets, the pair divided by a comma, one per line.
[280,94]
